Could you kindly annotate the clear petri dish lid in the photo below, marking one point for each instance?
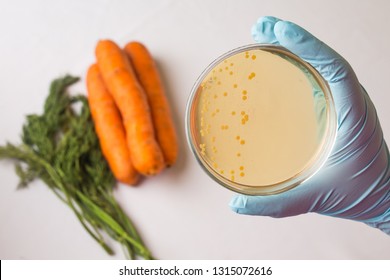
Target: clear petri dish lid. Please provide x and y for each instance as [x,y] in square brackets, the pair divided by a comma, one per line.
[260,120]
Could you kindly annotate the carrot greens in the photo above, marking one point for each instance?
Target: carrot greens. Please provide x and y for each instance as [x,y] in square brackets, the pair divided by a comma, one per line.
[60,147]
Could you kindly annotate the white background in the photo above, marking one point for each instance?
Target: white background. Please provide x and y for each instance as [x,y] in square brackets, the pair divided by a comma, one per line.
[181,213]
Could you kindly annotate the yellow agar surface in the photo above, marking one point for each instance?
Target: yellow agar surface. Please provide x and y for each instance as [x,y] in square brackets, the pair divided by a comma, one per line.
[255,119]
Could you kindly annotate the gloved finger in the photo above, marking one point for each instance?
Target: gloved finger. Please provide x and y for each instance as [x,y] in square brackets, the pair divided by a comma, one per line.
[263,30]
[290,203]
[328,62]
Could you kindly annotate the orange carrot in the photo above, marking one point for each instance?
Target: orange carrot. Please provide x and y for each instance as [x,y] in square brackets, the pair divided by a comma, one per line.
[149,77]
[109,128]
[131,100]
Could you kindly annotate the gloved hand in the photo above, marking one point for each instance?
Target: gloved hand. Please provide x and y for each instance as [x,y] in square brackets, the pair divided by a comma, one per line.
[354,182]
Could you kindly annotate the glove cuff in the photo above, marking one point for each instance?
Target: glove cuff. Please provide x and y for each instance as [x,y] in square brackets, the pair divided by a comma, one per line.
[382,222]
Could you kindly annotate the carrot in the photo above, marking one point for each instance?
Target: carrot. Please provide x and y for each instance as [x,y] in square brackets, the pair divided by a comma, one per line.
[149,77]
[131,100]
[109,128]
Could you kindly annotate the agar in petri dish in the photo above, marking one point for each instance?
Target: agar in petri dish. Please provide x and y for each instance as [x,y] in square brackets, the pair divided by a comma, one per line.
[260,120]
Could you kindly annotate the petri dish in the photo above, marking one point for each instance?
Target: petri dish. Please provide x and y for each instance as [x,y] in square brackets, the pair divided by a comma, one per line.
[260,120]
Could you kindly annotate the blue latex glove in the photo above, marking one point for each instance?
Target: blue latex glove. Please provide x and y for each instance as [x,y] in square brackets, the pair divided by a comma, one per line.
[354,183]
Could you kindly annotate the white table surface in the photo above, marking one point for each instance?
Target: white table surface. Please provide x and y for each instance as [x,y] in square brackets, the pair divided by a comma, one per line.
[181,213]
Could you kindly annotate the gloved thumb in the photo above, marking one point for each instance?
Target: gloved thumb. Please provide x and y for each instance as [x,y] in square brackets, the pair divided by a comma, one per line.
[290,203]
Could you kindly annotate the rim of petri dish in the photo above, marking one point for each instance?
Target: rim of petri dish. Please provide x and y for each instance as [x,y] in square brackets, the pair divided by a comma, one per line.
[312,167]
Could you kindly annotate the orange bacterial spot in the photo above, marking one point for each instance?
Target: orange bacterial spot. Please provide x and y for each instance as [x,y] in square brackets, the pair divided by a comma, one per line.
[224,127]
